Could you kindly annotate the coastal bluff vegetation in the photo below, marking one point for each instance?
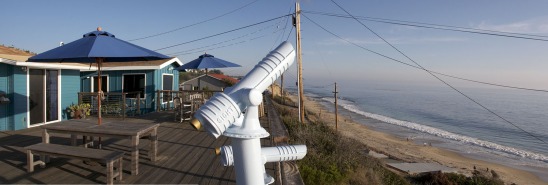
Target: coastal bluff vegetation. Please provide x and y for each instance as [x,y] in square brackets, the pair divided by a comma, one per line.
[335,159]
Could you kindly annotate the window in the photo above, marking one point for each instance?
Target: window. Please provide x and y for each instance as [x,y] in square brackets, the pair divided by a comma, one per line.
[167,85]
[104,83]
[134,83]
[167,82]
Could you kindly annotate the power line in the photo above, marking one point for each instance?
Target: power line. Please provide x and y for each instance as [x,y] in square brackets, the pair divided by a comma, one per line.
[441,27]
[235,38]
[233,44]
[194,24]
[214,35]
[289,33]
[439,73]
[283,33]
[432,74]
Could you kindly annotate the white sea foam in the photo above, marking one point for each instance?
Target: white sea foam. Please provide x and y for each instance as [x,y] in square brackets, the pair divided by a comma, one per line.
[442,133]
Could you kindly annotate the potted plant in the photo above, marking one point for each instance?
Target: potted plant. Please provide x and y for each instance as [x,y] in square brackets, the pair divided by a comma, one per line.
[79,111]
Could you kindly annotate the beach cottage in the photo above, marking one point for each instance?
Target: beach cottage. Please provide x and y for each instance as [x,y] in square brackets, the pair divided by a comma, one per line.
[38,93]
[140,80]
[33,94]
[212,82]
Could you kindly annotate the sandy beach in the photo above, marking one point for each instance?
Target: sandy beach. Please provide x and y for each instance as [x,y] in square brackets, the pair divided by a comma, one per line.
[411,152]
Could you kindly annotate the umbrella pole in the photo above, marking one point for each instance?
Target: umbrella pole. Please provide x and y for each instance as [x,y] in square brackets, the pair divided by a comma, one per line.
[99,61]
[99,94]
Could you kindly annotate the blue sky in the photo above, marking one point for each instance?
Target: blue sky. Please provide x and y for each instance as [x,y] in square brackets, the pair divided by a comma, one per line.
[40,25]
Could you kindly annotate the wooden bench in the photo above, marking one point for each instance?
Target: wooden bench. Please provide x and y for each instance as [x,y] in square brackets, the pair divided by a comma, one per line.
[102,156]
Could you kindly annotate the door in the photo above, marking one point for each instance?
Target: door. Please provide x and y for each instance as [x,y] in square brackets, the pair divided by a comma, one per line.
[36,96]
[43,96]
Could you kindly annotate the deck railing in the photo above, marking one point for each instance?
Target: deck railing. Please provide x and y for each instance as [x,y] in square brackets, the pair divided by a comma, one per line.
[114,103]
[164,98]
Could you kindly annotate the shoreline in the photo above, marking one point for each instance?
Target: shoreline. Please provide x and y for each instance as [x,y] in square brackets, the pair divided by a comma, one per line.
[409,151]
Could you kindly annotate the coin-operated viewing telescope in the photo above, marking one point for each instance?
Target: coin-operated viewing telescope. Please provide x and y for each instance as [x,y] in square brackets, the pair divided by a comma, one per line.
[223,109]
[223,114]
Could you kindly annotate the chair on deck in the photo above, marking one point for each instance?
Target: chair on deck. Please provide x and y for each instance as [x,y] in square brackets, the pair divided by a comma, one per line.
[131,106]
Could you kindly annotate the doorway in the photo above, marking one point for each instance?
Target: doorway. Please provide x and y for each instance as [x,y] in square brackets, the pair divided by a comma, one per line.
[43,96]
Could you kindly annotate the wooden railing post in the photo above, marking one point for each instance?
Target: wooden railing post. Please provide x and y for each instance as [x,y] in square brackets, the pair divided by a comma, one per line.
[79,98]
[168,98]
[139,103]
[158,101]
[124,106]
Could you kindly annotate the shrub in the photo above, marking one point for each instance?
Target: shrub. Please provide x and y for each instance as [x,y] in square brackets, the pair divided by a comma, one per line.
[332,158]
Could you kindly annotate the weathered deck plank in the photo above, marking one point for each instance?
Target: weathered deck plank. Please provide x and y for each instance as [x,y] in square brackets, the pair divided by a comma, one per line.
[185,156]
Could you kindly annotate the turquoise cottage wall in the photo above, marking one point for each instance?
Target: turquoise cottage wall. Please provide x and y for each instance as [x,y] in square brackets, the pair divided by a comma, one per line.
[70,86]
[169,69]
[20,99]
[6,87]
[153,82]
[115,84]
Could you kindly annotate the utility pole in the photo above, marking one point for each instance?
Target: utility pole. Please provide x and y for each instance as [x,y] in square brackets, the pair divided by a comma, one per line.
[336,109]
[299,60]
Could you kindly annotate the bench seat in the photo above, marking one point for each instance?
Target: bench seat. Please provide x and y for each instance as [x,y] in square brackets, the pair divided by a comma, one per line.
[102,156]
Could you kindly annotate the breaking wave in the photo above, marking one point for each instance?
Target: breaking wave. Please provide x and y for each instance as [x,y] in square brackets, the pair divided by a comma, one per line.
[442,133]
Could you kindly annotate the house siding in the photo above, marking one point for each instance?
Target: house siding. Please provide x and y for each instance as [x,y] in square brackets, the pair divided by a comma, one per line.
[115,84]
[20,98]
[70,86]
[169,69]
[6,121]
[153,82]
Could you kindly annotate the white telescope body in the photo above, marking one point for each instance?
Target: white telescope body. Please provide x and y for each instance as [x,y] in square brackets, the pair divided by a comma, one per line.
[224,108]
[269,154]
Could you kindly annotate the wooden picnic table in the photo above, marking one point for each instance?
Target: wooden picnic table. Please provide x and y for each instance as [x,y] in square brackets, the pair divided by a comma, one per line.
[116,129]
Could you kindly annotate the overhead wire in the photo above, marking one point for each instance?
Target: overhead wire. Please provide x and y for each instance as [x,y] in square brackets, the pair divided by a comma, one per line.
[225,41]
[223,46]
[441,80]
[442,27]
[194,24]
[439,73]
[289,34]
[280,37]
[222,33]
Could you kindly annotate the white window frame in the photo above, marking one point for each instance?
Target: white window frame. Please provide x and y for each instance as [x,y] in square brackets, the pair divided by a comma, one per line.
[172,82]
[92,86]
[144,91]
[59,95]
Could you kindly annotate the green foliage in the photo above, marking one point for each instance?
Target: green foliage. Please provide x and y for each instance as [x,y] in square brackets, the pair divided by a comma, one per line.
[228,82]
[216,71]
[457,179]
[80,110]
[185,76]
[287,101]
[332,158]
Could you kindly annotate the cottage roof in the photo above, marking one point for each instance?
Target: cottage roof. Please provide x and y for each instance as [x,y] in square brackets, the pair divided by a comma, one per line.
[224,77]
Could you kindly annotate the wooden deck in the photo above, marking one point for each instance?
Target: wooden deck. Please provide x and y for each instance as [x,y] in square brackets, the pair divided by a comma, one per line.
[185,156]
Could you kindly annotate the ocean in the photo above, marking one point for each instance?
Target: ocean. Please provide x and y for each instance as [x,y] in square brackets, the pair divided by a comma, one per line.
[446,119]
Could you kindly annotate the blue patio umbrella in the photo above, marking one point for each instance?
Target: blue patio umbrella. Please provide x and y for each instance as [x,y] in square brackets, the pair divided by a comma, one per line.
[98,46]
[206,61]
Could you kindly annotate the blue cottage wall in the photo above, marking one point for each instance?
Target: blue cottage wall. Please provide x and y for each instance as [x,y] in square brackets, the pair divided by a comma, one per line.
[169,69]
[20,99]
[6,88]
[13,82]
[70,86]
[115,84]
